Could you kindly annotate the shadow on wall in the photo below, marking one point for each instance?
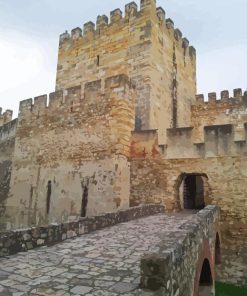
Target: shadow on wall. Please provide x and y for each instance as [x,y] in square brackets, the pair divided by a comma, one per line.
[5,175]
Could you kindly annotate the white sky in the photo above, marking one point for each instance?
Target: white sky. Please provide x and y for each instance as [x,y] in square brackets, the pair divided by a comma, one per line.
[30,29]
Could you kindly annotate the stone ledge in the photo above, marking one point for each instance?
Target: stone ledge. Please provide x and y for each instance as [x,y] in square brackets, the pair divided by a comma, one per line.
[20,240]
[167,270]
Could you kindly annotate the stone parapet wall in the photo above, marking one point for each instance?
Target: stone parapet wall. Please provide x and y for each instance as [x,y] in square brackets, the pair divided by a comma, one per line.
[103,28]
[238,98]
[228,110]
[218,140]
[176,267]
[218,128]
[21,240]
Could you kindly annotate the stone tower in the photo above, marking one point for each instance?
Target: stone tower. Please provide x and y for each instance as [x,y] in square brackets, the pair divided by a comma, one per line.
[143,45]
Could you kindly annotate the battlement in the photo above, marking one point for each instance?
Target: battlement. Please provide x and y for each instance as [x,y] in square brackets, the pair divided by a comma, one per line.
[218,140]
[75,97]
[101,114]
[103,26]
[7,125]
[5,117]
[238,98]
[8,130]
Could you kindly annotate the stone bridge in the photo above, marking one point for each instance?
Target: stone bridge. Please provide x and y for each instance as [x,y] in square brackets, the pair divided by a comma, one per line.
[163,254]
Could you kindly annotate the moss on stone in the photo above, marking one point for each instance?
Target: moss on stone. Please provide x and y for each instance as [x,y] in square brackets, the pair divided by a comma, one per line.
[229,290]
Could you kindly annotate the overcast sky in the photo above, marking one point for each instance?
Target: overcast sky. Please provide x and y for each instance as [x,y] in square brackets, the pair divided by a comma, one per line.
[29,31]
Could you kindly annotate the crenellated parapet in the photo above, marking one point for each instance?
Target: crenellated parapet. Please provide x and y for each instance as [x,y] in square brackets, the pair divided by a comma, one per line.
[104,106]
[103,23]
[74,98]
[7,125]
[52,101]
[8,131]
[238,97]
[228,109]
[217,140]
[132,14]
[169,25]
[5,117]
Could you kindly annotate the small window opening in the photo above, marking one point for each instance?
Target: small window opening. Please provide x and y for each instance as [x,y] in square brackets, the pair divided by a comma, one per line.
[48,197]
[162,149]
[138,123]
[84,202]
[98,60]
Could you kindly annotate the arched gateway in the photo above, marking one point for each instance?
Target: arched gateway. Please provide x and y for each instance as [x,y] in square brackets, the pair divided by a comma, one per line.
[192,191]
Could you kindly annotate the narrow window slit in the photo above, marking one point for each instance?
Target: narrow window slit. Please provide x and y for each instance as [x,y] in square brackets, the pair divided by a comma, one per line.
[48,198]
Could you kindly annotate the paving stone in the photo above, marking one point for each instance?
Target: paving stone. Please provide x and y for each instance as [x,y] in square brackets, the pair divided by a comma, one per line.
[123,287]
[103,284]
[19,278]
[5,292]
[103,293]
[83,276]
[22,288]
[113,270]
[62,287]
[80,290]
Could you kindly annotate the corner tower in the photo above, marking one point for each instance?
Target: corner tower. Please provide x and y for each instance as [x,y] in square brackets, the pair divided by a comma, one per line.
[144,45]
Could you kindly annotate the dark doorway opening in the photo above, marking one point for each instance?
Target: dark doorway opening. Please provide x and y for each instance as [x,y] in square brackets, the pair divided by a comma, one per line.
[84,202]
[193,192]
[206,282]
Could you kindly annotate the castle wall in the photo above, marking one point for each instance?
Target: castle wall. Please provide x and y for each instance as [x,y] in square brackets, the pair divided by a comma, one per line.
[173,77]
[218,129]
[158,180]
[226,110]
[143,45]
[7,144]
[80,140]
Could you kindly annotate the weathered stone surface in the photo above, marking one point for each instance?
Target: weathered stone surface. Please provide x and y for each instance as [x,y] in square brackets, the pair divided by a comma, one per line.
[80,290]
[176,262]
[123,128]
[107,262]
[63,151]
[22,240]
[224,180]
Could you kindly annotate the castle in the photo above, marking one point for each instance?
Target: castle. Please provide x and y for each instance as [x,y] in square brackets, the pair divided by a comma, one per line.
[125,127]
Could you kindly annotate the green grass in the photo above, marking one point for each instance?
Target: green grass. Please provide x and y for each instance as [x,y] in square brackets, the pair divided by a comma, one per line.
[229,290]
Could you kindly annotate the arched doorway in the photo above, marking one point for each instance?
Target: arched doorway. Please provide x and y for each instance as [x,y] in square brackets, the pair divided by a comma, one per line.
[206,281]
[192,192]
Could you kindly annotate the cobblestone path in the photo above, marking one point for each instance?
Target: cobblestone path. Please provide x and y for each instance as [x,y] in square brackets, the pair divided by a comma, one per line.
[105,262]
